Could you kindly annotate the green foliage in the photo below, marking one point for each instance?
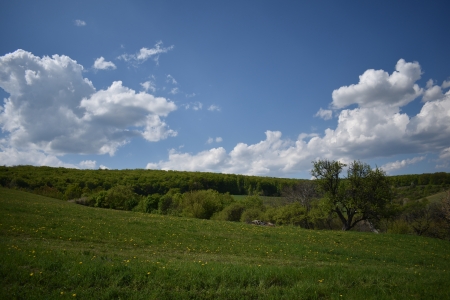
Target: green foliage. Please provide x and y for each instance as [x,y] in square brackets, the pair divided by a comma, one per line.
[251,214]
[253,201]
[202,204]
[144,182]
[119,197]
[72,192]
[292,214]
[232,212]
[48,192]
[363,195]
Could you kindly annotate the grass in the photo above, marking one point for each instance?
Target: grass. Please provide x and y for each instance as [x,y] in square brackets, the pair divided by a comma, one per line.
[437,197]
[52,249]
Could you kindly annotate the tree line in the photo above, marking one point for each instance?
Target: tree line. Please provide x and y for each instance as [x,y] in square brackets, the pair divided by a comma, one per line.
[63,183]
[341,197]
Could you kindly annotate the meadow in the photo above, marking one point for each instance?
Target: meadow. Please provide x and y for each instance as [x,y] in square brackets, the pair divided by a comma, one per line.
[53,249]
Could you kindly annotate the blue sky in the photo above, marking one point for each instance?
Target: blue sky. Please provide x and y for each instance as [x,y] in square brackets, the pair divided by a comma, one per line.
[246,87]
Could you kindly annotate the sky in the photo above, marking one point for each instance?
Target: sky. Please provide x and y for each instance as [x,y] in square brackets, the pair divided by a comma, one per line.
[244,87]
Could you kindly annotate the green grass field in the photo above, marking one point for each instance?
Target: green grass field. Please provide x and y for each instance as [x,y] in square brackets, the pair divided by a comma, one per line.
[51,249]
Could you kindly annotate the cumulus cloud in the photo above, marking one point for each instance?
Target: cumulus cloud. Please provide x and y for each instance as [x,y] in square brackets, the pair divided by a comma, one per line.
[377,87]
[101,64]
[325,114]
[445,84]
[213,108]
[80,23]
[375,128]
[52,108]
[145,53]
[401,163]
[88,164]
[10,156]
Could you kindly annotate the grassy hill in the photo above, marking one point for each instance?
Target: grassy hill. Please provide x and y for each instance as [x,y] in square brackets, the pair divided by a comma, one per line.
[51,249]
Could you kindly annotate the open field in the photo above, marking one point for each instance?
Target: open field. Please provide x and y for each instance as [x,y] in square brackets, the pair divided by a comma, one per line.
[51,249]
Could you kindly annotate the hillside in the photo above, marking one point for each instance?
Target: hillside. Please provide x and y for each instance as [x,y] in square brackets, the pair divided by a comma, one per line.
[52,249]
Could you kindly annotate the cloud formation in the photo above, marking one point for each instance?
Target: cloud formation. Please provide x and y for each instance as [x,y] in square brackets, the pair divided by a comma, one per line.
[375,128]
[145,53]
[80,23]
[217,140]
[101,64]
[54,110]
[214,108]
[401,163]
[325,114]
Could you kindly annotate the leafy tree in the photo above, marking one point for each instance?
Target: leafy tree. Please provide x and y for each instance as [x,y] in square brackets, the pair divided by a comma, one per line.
[362,195]
[72,192]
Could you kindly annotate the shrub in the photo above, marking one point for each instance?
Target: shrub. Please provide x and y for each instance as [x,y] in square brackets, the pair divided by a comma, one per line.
[73,192]
[252,214]
[170,203]
[148,204]
[201,204]
[292,214]
[253,201]
[232,212]
[399,227]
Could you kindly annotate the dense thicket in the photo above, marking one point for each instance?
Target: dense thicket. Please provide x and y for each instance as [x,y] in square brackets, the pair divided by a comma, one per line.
[66,183]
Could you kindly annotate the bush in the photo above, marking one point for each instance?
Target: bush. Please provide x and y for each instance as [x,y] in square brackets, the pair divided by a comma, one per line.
[170,202]
[148,204]
[233,213]
[292,214]
[399,227]
[73,192]
[119,197]
[252,214]
[201,204]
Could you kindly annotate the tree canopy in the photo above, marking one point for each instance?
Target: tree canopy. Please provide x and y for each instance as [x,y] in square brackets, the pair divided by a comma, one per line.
[362,195]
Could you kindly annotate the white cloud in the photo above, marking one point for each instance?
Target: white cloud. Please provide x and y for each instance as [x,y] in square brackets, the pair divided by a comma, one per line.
[88,164]
[102,167]
[376,128]
[401,163]
[10,156]
[174,91]
[377,87]
[190,95]
[146,53]
[211,140]
[171,80]
[445,84]
[53,109]
[149,85]
[101,64]
[445,154]
[214,108]
[194,105]
[80,23]
[325,114]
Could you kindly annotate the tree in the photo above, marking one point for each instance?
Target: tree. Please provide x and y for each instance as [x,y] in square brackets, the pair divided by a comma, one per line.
[362,195]
[302,192]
